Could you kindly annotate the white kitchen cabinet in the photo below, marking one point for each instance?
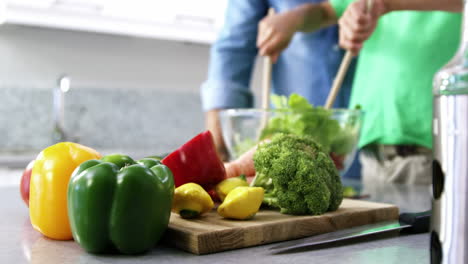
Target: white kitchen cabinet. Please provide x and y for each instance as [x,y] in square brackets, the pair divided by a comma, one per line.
[181,20]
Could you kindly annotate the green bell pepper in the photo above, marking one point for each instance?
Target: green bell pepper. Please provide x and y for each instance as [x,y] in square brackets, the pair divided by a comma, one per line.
[120,160]
[149,162]
[127,209]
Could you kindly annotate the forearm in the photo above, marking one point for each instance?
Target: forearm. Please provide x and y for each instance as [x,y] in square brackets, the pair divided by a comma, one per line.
[424,5]
[213,124]
[315,16]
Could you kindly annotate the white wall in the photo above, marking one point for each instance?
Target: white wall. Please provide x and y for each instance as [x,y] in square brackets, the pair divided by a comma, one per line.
[35,57]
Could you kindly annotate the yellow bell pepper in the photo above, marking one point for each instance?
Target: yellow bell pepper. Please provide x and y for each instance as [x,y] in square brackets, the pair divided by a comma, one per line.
[229,184]
[191,200]
[48,188]
[242,203]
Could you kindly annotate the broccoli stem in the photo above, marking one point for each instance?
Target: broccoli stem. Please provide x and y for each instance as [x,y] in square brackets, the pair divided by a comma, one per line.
[271,201]
[254,181]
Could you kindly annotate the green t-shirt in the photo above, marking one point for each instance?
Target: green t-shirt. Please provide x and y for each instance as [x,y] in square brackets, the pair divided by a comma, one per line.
[393,81]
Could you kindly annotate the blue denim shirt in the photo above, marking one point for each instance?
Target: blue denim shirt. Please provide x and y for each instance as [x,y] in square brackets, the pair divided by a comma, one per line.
[306,67]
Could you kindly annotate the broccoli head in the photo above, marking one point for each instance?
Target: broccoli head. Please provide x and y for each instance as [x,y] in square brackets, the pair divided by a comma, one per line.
[297,175]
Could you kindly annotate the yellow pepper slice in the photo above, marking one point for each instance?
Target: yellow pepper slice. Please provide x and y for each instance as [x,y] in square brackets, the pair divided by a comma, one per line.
[191,200]
[242,203]
[48,188]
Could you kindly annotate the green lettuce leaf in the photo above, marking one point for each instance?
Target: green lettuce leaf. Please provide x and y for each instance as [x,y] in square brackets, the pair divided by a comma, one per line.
[297,116]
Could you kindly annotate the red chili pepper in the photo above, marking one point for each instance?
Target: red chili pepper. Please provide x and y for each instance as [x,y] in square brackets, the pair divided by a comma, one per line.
[197,161]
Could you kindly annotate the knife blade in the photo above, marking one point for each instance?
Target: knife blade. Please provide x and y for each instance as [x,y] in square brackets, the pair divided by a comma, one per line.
[412,223]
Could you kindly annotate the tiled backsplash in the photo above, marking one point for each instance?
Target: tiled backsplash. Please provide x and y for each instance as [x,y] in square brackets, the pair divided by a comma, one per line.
[129,94]
[146,96]
[143,120]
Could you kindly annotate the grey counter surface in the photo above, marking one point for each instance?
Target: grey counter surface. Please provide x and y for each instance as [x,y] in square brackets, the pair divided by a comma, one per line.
[20,243]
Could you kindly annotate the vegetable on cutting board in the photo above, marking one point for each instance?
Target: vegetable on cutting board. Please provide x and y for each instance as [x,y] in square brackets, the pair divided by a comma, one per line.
[197,161]
[227,185]
[242,165]
[127,209]
[298,176]
[51,173]
[349,192]
[191,200]
[242,203]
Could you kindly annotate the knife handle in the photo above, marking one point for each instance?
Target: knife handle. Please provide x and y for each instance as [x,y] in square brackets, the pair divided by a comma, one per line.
[419,222]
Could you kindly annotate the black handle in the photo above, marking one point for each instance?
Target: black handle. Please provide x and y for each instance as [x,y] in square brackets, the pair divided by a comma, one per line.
[419,222]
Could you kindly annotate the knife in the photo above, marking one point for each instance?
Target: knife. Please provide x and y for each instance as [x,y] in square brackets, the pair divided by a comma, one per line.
[412,223]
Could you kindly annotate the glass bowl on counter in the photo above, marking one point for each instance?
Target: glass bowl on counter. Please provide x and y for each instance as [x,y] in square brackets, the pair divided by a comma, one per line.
[337,130]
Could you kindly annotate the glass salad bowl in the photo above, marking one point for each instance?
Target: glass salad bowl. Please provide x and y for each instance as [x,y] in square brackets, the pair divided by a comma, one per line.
[337,130]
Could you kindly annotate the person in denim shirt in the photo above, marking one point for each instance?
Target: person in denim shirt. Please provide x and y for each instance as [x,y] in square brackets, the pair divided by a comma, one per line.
[307,66]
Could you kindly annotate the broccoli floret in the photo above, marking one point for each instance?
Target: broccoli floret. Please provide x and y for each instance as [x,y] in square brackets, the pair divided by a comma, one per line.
[297,175]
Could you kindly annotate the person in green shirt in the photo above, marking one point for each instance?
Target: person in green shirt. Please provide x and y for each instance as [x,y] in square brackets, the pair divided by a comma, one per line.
[400,50]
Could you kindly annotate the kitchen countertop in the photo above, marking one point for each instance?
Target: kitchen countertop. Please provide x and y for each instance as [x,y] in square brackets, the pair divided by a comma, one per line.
[19,243]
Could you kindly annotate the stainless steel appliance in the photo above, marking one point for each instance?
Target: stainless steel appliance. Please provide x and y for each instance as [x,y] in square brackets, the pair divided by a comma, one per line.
[449,226]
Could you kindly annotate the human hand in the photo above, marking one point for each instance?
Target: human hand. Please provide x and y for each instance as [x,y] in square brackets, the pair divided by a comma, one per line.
[275,32]
[357,23]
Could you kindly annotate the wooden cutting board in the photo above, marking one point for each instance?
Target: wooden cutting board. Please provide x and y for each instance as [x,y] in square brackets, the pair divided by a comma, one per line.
[212,233]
